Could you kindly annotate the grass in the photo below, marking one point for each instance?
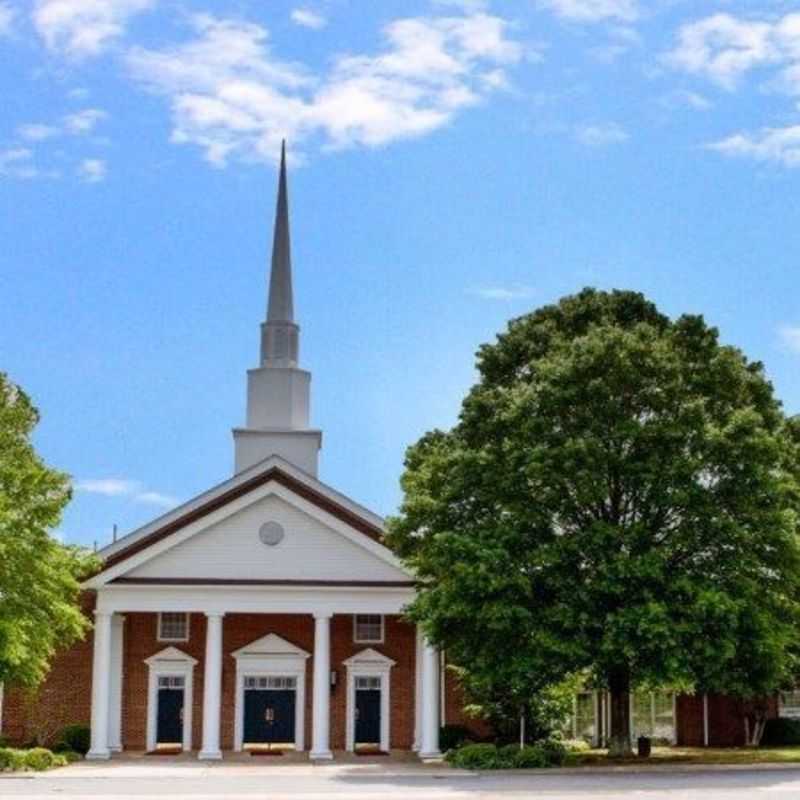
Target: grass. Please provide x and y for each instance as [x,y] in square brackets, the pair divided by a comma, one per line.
[696,755]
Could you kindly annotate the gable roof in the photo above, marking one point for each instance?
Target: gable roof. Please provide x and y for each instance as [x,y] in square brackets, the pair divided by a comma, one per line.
[275,469]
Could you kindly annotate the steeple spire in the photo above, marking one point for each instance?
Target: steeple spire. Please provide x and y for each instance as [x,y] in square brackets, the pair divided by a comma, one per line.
[280,284]
[279,334]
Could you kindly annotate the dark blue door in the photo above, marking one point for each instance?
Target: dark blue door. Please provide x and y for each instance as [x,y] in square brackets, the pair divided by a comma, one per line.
[368,716]
[170,716]
[269,716]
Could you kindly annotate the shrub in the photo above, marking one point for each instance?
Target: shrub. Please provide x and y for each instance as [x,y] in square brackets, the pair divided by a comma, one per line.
[506,756]
[11,759]
[70,756]
[77,737]
[40,758]
[474,756]
[781,731]
[451,736]
[530,757]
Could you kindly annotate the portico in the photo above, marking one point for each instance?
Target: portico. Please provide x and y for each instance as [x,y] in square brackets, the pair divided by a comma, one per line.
[314,673]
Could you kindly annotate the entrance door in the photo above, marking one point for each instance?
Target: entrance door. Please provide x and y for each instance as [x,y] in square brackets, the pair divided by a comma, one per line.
[269,711]
[368,711]
[169,728]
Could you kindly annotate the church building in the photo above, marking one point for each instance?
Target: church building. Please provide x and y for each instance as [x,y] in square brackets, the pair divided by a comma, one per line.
[265,612]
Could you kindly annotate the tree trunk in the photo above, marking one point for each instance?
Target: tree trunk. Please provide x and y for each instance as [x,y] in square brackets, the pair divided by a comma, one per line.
[619,741]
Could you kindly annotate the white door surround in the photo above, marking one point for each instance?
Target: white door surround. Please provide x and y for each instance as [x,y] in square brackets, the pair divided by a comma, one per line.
[372,664]
[169,662]
[271,657]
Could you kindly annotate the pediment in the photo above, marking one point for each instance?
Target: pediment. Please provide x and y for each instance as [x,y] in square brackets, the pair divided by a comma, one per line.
[170,655]
[164,548]
[133,558]
[309,547]
[369,657]
[270,645]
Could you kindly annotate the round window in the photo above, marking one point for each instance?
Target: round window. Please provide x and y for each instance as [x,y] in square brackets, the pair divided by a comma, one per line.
[271,533]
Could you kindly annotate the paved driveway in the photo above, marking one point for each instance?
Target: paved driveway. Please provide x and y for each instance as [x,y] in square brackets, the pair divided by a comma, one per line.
[245,781]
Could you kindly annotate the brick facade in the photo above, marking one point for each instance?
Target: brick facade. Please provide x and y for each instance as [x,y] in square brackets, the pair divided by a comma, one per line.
[67,690]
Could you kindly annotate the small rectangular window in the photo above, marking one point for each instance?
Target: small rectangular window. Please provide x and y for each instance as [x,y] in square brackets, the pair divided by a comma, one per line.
[173,626]
[368,628]
[364,682]
[790,704]
[251,682]
[170,682]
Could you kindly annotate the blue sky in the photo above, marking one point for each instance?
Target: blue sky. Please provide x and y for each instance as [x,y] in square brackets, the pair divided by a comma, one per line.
[453,164]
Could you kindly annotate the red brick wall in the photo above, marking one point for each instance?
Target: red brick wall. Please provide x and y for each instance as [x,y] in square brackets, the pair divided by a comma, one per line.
[725,720]
[399,645]
[454,709]
[64,698]
[141,642]
[689,720]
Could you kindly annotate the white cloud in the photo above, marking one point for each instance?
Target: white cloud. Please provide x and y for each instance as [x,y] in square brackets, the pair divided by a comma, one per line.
[84,121]
[723,47]
[110,487]
[16,162]
[501,292]
[601,135]
[7,15]
[233,98]
[120,487]
[593,10]
[92,170]
[790,336]
[37,132]
[83,28]
[307,18]
[775,145]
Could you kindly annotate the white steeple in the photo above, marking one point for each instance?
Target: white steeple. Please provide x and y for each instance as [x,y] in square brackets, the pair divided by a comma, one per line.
[278,391]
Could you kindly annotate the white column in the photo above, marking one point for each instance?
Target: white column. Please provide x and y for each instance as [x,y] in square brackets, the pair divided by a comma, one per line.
[212,688]
[418,692]
[429,729]
[115,684]
[101,667]
[321,721]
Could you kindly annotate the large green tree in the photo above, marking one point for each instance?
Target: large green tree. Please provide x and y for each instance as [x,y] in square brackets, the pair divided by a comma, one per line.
[619,497]
[39,577]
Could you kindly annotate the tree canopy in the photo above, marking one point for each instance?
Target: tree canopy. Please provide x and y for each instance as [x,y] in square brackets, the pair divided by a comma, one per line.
[39,577]
[620,497]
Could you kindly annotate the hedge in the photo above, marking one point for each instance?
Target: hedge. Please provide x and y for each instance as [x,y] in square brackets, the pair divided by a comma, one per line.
[781,731]
[76,738]
[547,753]
[36,759]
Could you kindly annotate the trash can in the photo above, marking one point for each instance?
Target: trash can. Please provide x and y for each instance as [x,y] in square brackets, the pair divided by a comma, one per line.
[643,746]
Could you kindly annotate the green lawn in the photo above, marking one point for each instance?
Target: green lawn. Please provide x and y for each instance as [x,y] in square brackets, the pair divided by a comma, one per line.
[697,755]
